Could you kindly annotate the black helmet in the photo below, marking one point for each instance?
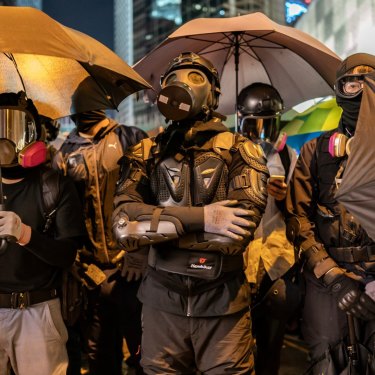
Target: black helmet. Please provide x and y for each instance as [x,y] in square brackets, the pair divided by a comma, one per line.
[260,101]
[260,106]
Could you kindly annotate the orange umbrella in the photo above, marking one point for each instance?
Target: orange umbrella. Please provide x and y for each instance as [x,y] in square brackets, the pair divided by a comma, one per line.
[62,70]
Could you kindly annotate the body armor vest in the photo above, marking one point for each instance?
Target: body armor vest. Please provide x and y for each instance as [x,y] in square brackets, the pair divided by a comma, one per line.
[190,181]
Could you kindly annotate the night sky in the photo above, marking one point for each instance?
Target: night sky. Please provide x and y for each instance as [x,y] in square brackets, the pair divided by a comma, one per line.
[93,17]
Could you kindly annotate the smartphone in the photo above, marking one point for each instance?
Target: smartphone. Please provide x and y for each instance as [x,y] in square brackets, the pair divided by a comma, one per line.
[275,177]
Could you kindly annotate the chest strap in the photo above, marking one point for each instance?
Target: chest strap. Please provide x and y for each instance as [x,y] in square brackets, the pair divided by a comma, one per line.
[353,254]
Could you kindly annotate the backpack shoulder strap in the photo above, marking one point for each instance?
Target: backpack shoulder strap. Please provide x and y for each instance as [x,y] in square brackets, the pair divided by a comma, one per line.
[285,160]
[50,189]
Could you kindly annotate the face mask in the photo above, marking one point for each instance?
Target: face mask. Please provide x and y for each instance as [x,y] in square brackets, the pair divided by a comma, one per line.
[350,112]
[86,120]
[263,129]
[185,94]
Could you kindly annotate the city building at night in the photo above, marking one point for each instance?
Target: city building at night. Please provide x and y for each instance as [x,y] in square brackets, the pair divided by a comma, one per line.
[345,26]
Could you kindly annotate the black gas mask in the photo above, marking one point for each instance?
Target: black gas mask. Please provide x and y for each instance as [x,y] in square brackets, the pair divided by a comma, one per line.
[190,88]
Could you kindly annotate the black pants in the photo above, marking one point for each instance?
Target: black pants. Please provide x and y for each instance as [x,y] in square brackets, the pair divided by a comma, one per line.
[173,344]
[114,313]
[268,331]
[325,326]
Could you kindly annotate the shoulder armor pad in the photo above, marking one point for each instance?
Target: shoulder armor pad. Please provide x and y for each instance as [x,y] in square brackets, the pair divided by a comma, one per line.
[253,150]
[253,155]
[223,141]
[143,149]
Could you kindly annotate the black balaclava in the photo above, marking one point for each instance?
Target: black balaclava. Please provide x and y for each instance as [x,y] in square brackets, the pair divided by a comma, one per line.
[351,106]
[86,120]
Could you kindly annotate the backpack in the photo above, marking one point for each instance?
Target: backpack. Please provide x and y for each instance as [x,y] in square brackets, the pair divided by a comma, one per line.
[72,292]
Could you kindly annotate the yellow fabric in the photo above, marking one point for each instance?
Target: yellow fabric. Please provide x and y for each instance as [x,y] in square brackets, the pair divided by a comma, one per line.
[276,252]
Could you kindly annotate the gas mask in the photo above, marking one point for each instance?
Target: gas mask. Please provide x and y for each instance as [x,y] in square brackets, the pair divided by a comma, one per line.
[19,133]
[190,88]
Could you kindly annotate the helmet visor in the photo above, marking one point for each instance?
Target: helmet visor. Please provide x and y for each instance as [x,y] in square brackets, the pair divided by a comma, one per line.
[349,86]
[260,129]
[18,127]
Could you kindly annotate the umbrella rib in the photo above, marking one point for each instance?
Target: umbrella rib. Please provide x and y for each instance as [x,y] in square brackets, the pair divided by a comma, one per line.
[210,41]
[11,58]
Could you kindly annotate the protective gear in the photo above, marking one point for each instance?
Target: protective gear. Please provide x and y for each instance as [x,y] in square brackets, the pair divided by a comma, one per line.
[170,183]
[348,90]
[190,88]
[339,145]
[11,226]
[260,106]
[227,221]
[135,264]
[351,298]
[20,132]
[86,120]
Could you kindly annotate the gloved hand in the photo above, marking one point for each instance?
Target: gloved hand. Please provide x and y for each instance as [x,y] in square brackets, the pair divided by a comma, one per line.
[227,221]
[352,299]
[135,264]
[12,228]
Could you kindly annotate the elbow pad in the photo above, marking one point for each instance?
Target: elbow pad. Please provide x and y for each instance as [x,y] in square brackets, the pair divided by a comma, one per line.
[147,230]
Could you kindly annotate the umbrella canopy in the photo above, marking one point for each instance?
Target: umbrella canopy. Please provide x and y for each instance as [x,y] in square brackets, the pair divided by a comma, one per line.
[62,70]
[247,49]
[357,189]
[312,122]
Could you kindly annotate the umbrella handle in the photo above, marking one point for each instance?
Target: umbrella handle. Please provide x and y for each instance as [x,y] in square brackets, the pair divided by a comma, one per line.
[3,241]
[352,347]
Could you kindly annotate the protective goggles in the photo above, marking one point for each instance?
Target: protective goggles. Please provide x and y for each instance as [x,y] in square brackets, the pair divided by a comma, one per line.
[17,127]
[349,86]
[260,129]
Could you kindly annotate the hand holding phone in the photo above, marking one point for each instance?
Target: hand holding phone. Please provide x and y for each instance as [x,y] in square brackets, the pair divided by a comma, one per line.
[276,187]
[275,177]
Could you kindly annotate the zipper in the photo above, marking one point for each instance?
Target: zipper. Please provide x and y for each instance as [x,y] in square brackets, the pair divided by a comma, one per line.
[188,312]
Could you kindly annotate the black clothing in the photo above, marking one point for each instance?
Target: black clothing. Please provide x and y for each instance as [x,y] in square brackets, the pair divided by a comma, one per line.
[185,168]
[113,311]
[325,223]
[37,265]
[93,164]
[114,314]
[183,158]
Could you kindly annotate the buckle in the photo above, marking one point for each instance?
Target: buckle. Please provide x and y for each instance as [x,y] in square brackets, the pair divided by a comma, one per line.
[20,300]
[241,181]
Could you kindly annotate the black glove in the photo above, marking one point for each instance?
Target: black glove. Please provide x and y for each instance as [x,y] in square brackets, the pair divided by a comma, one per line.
[135,264]
[351,298]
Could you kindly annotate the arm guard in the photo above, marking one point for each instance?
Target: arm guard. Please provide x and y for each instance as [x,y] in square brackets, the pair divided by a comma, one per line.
[248,180]
[137,225]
